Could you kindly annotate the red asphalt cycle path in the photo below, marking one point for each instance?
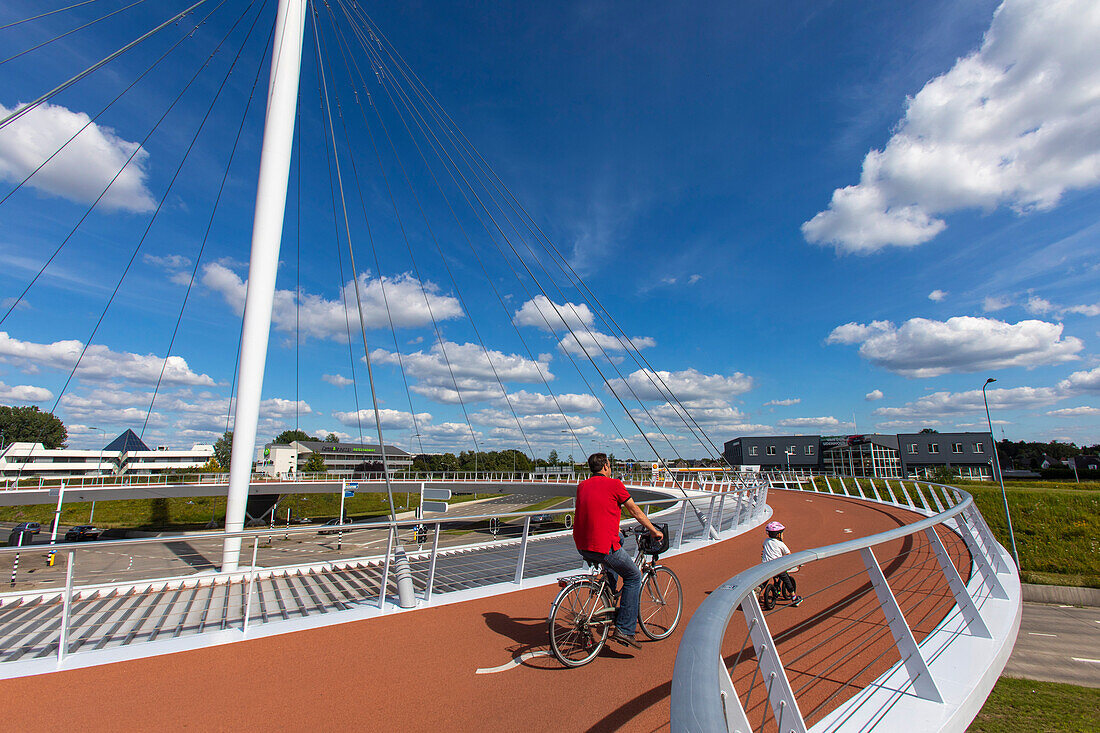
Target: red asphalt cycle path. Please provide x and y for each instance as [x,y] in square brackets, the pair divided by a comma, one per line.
[416,671]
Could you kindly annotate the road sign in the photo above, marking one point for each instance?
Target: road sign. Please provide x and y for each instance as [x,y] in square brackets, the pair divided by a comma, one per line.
[353,487]
[494,525]
[434,506]
[437,494]
[348,493]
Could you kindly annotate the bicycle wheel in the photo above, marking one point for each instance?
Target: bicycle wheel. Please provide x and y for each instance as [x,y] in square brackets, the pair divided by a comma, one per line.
[578,628]
[662,602]
[767,601]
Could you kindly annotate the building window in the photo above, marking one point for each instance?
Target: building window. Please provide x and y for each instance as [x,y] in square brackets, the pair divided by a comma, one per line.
[771,450]
[956,447]
[913,448]
[790,450]
[933,447]
[755,450]
[809,450]
[978,448]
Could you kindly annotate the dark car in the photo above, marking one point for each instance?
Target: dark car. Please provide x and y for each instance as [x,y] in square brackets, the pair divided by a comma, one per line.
[331,523]
[81,533]
[32,527]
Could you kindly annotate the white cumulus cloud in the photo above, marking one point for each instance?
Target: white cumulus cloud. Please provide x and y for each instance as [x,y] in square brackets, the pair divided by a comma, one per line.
[1082,411]
[689,386]
[817,423]
[24,393]
[1011,124]
[337,380]
[937,295]
[939,404]
[314,316]
[926,348]
[874,394]
[83,168]
[99,362]
[1083,381]
[783,403]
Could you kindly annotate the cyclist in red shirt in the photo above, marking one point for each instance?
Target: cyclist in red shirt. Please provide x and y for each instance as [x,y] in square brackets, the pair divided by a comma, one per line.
[596,534]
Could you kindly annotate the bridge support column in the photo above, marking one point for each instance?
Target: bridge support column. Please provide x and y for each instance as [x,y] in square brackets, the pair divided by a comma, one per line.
[267,232]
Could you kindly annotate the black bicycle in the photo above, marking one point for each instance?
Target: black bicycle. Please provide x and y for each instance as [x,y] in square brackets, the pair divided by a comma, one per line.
[583,612]
[773,591]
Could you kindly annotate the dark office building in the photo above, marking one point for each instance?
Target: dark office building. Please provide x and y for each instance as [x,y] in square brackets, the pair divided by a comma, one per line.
[968,454]
[775,453]
[904,455]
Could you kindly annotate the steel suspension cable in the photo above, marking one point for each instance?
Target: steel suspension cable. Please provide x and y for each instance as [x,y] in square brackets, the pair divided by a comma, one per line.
[217,201]
[43,15]
[68,33]
[439,249]
[88,211]
[73,80]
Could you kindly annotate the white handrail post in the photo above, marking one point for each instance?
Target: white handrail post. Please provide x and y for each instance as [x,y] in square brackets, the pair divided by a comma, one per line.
[935,498]
[251,580]
[66,606]
[987,538]
[708,523]
[780,694]
[905,493]
[722,509]
[736,720]
[843,487]
[683,523]
[890,491]
[740,501]
[267,229]
[522,559]
[974,620]
[874,490]
[911,657]
[431,564]
[386,567]
[977,554]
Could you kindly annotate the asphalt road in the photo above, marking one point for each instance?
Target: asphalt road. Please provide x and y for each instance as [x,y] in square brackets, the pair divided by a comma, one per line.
[1057,644]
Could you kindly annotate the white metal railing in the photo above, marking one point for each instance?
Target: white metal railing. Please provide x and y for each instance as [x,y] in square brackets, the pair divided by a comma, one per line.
[938,684]
[523,551]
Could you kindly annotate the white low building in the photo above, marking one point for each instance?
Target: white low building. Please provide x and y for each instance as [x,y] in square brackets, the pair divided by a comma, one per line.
[342,459]
[126,455]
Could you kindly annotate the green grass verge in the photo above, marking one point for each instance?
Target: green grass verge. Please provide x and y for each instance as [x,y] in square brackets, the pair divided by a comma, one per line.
[1019,705]
[1057,524]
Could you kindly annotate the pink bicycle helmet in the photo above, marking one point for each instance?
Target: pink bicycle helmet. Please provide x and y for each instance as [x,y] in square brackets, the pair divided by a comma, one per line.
[774,527]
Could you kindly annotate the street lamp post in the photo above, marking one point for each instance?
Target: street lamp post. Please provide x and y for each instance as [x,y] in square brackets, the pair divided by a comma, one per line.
[1000,476]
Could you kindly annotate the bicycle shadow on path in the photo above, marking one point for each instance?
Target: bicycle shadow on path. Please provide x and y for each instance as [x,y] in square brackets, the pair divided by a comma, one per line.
[530,637]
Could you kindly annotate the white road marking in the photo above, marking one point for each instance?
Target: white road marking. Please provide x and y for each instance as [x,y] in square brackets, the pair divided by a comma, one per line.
[1090,661]
[839,511]
[513,663]
[1036,633]
[847,531]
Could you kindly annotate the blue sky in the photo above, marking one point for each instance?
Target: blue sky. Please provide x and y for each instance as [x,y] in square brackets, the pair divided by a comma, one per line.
[814,218]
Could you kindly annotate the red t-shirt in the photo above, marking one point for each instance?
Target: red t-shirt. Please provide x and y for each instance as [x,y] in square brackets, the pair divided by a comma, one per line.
[596,525]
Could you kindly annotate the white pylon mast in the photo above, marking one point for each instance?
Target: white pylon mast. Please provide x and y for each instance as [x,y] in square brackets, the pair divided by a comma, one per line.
[267,231]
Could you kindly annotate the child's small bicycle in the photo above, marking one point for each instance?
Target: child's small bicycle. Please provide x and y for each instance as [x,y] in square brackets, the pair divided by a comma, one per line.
[773,591]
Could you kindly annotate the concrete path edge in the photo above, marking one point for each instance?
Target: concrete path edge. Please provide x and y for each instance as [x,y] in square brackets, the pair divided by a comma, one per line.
[1069,595]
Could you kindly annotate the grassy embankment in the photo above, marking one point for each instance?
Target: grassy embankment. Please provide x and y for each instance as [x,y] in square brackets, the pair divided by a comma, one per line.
[182,514]
[1057,526]
[1016,705]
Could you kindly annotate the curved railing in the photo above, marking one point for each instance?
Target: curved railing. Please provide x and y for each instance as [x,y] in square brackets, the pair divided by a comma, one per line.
[938,683]
[102,598]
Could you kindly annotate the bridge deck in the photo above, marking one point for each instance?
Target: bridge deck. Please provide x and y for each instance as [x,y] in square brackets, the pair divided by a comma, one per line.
[418,671]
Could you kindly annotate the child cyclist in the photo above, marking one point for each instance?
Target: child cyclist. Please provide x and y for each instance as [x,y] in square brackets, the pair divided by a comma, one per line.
[775,548]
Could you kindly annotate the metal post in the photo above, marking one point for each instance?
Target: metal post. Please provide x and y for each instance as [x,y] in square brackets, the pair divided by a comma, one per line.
[386,567]
[522,560]
[1000,475]
[251,579]
[66,604]
[56,520]
[974,621]
[989,575]
[343,495]
[91,514]
[431,564]
[683,523]
[923,684]
[267,228]
[780,694]
[722,509]
[15,565]
[932,492]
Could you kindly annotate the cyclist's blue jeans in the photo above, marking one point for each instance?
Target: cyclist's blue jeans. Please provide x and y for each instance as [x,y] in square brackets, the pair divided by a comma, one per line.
[618,564]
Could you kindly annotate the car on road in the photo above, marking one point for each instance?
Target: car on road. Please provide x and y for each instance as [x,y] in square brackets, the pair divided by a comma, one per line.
[81,533]
[32,527]
[332,523]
